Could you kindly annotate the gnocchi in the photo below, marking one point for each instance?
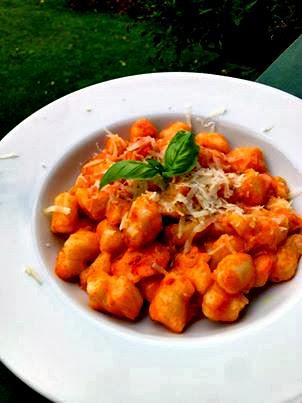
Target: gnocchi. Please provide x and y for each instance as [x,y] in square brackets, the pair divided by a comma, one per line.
[187,228]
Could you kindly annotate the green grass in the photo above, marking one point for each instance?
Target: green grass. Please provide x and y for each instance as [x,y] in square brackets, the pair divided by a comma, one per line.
[47,51]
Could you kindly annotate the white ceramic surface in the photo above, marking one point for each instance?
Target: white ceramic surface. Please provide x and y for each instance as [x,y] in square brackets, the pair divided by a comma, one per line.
[56,344]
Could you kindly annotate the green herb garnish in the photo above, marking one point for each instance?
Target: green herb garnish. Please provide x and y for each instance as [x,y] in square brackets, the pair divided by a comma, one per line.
[181,154]
[180,157]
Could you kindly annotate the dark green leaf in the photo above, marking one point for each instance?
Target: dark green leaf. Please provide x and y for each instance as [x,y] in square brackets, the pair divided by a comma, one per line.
[181,154]
[128,169]
[156,165]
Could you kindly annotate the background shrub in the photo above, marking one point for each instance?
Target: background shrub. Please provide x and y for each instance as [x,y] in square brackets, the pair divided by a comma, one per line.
[232,37]
[101,5]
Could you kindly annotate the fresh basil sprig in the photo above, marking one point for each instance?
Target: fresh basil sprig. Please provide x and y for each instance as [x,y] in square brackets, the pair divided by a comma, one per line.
[156,165]
[181,154]
[129,169]
[180,157]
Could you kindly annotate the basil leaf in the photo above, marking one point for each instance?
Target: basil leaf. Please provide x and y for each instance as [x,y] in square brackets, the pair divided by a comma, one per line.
[156,165]
[181,154]
[128,169]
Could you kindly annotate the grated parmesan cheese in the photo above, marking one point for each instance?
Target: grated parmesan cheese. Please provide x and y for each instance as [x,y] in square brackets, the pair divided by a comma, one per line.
[211,252]
[57,209]
[114,146]
[33,274]
[92,163]
[202,200]
[295,193]
[8,156]
[116,139]
[181,227]
[123,223]
[200,121]
[188,243]
[216,113]
[197,229]
[107,131]
[153,196]
[188,115]
[141,142]
[159,268]
[210,126]
[267,129]
[207,122]
[96,184]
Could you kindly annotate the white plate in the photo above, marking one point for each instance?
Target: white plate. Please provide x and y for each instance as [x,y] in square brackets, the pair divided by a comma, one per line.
[54,343]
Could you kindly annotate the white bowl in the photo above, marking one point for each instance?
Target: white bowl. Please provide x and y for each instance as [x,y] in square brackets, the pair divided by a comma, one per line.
[54,342]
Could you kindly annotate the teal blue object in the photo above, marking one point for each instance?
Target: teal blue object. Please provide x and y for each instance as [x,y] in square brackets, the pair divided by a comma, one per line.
[286,71]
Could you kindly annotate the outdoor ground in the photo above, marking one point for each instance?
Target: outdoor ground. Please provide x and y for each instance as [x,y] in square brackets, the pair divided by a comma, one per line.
[47,51]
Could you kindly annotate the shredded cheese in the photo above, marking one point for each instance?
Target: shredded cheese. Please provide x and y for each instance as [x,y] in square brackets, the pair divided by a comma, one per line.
[81,180]
[8,156]
[96,184]
[141,142]
[215,250]
[153,196]
[267,129]
[116,141]
[188,243]
[123,223]
[216,113]
[114,146]
[159,268]
[188,115]
[33,274]
[181,227]
[295,193]
[200,227]
[200,121]
[107,131]
[207,192]
[93,163]
[210,125]
[207,122]
[57,209]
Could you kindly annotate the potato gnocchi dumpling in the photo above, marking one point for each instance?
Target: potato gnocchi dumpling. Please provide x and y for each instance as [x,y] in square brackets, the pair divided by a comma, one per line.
[179,223]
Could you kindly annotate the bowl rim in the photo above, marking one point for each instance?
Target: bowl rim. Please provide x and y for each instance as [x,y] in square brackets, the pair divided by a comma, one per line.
[18,363]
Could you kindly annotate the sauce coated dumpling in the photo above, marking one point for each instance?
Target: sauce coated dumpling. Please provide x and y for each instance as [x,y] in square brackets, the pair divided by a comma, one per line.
[179,226]
[171,302]
[235,273]
[219,306]
[143,222]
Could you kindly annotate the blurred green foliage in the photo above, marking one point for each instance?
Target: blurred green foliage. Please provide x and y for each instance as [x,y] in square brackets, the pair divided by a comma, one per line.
[49,48]
[233,37]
